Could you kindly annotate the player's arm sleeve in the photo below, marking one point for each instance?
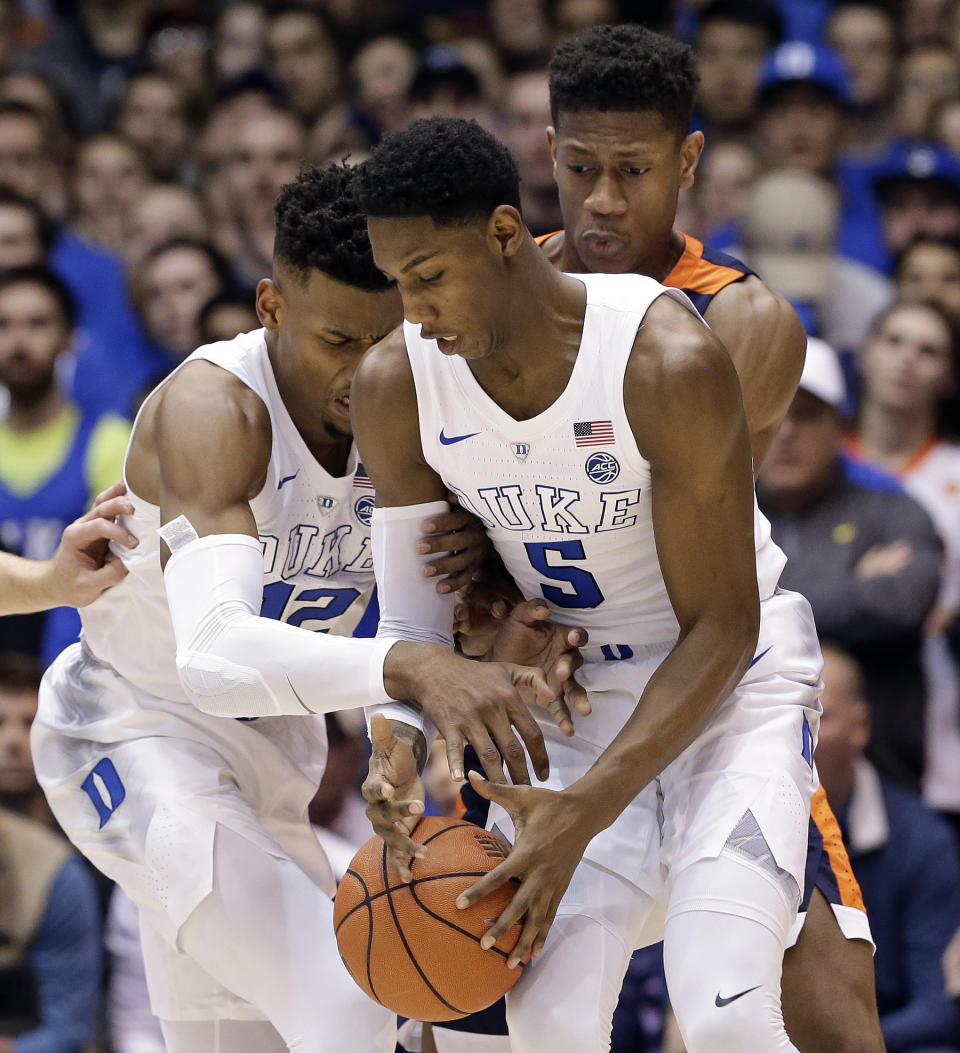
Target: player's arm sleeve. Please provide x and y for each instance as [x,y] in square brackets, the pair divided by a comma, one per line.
[66,959]
[410,607]
[105,454]
[233,663]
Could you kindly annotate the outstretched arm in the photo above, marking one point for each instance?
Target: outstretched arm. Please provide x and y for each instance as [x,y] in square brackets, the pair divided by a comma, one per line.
[79,571]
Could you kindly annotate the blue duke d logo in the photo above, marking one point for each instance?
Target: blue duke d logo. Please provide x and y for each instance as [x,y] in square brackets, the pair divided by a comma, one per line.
[602,467]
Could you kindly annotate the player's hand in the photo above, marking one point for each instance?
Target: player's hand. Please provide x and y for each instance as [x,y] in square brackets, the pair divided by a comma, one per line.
[483,604]
[80,569]
[474,702]
[393,788]
[527,636]
[553,831]
[460,536]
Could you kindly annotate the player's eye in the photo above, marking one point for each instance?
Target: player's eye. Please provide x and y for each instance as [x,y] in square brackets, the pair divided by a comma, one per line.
[633,170]
[427,279]
[578,169]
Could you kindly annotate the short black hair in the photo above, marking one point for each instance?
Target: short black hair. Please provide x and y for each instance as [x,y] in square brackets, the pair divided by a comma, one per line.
[622,69]
[761,14]
[320,226]
[443,167]
[951,244]
[36,274]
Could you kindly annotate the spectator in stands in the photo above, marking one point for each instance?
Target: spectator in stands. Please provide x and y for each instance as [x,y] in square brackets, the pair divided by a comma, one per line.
[864,34]
[789,238]
[153,116]
[302,55]
[162,212]
[868,560]
[109,177]
[50,951]
[263,149]
[918,188]
[733,39]
[906,862]
[445,85]
[26,165]
[381,72]
[926,76]
[527,115]
[25,233]
[720,194]
[928,271]
[238,41]
[170,287]
[223,317]
[805,98]
[54,457]
[19,790]
[908,370]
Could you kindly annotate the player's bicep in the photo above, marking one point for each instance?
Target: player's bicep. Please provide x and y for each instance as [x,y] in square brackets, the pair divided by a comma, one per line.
[701,482]
[213,446]
[386,426]
[767,342]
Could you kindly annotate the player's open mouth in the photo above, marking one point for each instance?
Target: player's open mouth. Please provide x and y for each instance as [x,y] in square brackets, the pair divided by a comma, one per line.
[447,344]
[343,404]
[604,245]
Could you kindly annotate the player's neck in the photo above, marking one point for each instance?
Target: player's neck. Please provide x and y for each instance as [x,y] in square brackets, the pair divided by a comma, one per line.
[29,414]
[893,436]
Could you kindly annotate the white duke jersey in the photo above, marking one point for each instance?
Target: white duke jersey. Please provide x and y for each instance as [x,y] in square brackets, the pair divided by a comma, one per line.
[565,496]
[314,529]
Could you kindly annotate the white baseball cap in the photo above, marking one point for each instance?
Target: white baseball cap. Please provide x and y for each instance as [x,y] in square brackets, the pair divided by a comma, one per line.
[822,375]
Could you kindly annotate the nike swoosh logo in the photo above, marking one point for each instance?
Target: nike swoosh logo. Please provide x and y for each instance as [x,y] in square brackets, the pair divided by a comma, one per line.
[759,656]
[721,1002]
[448,440]
[287,478]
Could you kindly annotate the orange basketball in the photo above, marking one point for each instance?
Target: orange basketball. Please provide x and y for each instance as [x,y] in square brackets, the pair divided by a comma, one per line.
[407,945]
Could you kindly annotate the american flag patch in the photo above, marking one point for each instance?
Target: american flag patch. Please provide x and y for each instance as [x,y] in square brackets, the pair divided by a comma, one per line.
[360,478]
[593,432]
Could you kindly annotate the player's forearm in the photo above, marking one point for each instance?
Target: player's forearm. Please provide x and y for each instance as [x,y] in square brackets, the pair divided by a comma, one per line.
[26,585]
[680,698]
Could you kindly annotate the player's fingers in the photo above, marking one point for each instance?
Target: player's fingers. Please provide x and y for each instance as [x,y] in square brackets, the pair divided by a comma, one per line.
[532,926]
[108,575]
[487,753]
[376,788]
[578,637]
[491,881]
[86,532]
[454,743]
[532,736]
[381,733]
[577,696]
[560,711]
[512,752]
[118,489]
[395,811]
[400,861]
[546,925]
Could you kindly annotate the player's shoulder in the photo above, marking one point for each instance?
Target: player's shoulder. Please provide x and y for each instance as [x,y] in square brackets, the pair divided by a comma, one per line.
[386,362]
[201,391]
[751,301]
[673,344]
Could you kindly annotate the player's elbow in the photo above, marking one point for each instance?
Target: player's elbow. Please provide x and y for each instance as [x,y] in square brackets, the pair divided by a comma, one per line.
[223,688]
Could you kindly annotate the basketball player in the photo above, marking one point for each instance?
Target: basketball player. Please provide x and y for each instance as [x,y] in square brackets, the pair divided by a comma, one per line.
[596,425]
[77,573]
[620,101]
[243,464]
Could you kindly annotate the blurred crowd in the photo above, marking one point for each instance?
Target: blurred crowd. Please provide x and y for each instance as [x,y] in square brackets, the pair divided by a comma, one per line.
[142,143]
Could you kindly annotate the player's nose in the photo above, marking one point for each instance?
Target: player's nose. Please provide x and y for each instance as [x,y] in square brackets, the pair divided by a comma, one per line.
[605,197]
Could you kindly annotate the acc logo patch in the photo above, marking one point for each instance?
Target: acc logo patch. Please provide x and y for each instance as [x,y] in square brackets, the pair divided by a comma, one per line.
[602,467]
[363,509]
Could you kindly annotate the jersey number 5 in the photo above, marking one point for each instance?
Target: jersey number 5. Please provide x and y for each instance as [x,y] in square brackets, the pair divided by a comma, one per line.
[581,589]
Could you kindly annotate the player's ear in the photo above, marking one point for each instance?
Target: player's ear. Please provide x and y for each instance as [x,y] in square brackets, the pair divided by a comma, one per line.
[552,142]
[506,227]
[269,303]
[690,150]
